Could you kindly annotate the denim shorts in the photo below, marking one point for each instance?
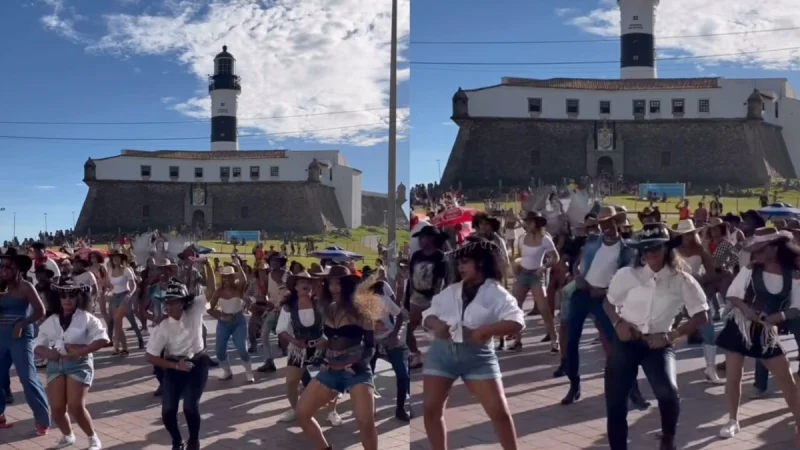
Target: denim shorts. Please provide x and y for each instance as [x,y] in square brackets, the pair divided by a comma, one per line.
[342,381]
[118,300]
[460,360]
[526,279]
[81,370]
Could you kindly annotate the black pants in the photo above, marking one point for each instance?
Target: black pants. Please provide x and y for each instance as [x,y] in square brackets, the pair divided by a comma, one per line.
[188,386]
[622,366]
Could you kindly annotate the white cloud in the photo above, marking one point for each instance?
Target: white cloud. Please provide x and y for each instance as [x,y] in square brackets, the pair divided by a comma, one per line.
[62,20]
[137,70]
[44,187]
[314,56]
[166,100]
[561,12]
[690,17]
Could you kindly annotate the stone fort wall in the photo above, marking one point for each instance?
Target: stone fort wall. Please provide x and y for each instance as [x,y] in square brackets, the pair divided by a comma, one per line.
[373,206]
[701,151]
[302,207]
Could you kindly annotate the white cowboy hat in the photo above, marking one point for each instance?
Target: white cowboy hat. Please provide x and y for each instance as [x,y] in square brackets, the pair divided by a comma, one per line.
[610,213]
[765,236]
[227,270]
[684,226]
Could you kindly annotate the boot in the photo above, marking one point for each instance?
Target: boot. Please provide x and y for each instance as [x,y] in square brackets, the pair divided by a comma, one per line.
[710,353]
[562,369]
[573,395]
[227,374]
[637,399]
[248,372]
[268,366]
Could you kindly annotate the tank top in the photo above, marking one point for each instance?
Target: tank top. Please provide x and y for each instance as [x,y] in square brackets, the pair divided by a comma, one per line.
[120,283]
[12,310]
[695,263]
[233,305]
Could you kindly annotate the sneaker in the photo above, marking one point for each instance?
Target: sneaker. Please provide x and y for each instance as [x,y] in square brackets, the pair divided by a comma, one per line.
[712,377]
[288,416]
[555,349]
[41,430]
[335,419]
[94,443]
[64,442]
[730,429]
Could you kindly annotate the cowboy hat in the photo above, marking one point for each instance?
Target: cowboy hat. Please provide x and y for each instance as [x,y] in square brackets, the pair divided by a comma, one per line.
[227,271]
[716,222]
[339,272]
[292,279]
[279,256]
[476,249]
[590,220]
[165,262]
[70,285]
[119,254]
[535,217]
[23,262]
[765,236]
[648,211]
[176,292]
[732,218]
[684,226]
[42,270]
[609,212]
[428,231]
[754,216]
[625,223]
[652,235]
[480,217]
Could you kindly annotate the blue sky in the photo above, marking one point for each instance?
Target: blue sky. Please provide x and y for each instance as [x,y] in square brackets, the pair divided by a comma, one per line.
[144,60]
[432,87]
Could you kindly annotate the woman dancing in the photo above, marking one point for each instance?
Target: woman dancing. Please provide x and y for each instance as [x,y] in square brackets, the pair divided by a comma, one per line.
[349,348]
[67,339]
[122,282]
[180,337]
[642,302]
[275,280]
[464,318]
[231,324]
[763,296]
[17,297]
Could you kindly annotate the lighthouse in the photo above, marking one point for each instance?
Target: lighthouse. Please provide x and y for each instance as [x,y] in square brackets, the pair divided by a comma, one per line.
[637,38]
[224,88]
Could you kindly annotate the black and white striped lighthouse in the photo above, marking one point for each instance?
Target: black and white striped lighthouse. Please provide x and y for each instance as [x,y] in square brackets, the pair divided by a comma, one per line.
[224,88]
[638,43]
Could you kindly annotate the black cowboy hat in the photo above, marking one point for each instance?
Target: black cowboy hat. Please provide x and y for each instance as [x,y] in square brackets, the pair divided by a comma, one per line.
[69,285]
[648,211]
[536,217]
[483,217]
[477,249]
[753,216]
[177,292]
[23,262]
[732,218]
[428,231]
[339,272]
[38,246]
[651,236]
[278,255]
[44,271]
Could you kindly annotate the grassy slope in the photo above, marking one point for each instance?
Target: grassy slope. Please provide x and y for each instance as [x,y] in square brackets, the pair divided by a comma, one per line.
[353,244]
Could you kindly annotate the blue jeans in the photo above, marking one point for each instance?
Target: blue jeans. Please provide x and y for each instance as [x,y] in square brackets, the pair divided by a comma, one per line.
[580,307]
[398,358]
[20,353]
[761,381]
[236,329]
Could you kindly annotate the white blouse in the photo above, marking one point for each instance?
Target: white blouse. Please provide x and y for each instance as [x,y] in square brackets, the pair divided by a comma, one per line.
[772,282]
[84,329]
[651,300]
[284,324]
[491,304]
[180,338]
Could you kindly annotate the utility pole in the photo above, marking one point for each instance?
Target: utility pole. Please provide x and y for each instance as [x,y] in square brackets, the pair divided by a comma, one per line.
[392,194]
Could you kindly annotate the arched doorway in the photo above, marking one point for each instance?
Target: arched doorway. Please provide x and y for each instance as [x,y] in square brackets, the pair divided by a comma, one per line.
[198,220]
[605,167]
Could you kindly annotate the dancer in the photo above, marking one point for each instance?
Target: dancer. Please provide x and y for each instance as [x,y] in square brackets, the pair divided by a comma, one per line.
[642,302]
[603,254]
[194,280]
[349,348]
[180,337]
[231,324]
[763,296]
[97,266]
[537,255]
[67,339]
[17,297]
[122,283]
[300,324]
[257,293]
[464,318]
[428,272]
[389,344]
[276,280]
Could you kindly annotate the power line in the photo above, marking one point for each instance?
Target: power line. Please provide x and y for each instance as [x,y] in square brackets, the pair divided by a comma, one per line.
[300,132]
[9,122]
[587,41]
[571,63]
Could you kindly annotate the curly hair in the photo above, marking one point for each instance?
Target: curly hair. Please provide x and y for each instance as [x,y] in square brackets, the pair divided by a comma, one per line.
[357,300]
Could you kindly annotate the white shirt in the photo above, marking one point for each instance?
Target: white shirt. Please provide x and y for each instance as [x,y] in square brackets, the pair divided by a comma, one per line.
[744,258]
[121,283]
[492,304]
[86,278]
[233,305]
[651,300]
[533,256]
[50,265]
[772,282]
[413,243]
[604,265]
[180,338]
[390,310]
[84,329]
[284,324]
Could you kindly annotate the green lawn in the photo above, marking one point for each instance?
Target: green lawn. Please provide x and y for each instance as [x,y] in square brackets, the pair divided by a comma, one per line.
[352,243]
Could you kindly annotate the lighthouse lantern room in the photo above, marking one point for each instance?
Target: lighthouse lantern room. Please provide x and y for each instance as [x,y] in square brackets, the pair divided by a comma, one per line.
[224,88]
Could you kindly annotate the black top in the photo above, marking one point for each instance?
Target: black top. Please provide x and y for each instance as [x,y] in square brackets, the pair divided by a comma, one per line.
[427,271]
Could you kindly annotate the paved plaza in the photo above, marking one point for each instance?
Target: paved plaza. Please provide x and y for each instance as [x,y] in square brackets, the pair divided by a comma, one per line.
[240,416]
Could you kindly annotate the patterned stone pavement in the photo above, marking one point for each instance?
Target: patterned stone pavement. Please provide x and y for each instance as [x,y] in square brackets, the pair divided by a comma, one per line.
[245,416]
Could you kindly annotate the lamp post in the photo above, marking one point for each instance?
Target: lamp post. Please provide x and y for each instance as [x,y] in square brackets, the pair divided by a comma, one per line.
[391,208]
[45,224]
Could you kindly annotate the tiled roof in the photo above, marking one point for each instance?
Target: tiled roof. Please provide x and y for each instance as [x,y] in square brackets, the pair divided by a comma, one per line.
[207,155]
[615,85]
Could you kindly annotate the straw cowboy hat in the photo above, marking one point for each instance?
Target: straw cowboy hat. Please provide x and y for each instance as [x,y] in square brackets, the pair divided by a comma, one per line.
[227,271]
[684,226]
[652,235]
[763,237]
[607,213]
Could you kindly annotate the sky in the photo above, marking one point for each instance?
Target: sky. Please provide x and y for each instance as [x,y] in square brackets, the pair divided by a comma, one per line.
[324,62]
[753,54]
